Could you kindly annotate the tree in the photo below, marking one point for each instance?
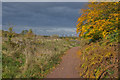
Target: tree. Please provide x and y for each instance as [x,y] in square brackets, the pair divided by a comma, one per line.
[10,34]
[24,32]
[98,20]
[30,33]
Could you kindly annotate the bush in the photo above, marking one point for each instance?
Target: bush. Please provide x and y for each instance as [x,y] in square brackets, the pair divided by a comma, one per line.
[99,60]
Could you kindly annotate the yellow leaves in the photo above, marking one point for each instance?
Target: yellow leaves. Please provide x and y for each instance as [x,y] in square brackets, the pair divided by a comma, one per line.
[83,65]
[97,73]
[79,53]
[83,28]
[96,18]
[77,30]
[108,54]
[97,58]
[79,19]
[115,14]
[103,34]
[101,28]
[117,18]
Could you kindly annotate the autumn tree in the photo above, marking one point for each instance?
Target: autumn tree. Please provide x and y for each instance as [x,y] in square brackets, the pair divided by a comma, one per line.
[99,20]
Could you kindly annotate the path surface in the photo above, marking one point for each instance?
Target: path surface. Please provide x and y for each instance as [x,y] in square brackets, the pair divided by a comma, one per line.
[67,68]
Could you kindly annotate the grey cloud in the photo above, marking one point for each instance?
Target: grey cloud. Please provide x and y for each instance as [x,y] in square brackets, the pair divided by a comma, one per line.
[0,15]
[39,14]
[45,0]
[60,0]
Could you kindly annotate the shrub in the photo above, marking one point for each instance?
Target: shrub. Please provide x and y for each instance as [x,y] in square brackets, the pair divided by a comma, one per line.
[99,60]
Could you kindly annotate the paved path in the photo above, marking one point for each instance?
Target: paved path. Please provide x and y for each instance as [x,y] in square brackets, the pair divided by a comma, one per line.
[67,68]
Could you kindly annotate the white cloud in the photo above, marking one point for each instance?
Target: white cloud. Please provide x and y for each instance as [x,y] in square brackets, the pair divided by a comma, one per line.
[61,30]
[45,30]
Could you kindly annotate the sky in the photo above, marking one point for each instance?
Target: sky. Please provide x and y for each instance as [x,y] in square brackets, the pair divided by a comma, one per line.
[45,0]
[60,0]
[0,15]
[44,18]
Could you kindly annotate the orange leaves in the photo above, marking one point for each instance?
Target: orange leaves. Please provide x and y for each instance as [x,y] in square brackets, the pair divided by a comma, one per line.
[98,19]
[78,20]
[79,53]
[103,34]
[77,30]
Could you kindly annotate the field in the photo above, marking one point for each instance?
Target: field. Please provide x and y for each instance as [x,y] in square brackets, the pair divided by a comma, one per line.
[36,56]
[32,57]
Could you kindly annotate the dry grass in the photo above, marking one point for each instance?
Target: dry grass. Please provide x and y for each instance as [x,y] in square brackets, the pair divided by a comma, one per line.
[32,57]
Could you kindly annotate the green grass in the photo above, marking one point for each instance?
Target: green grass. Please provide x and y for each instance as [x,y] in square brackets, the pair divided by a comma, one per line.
[11,66]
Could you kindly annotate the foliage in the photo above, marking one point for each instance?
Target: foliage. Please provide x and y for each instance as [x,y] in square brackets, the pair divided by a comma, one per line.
[11,34]
[30,34]
[99,23]
[24,32]
[99,20]
[12,59]
[99,60]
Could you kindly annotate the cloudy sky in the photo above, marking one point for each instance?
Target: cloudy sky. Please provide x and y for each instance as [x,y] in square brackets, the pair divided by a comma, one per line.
[45,18]
[0,15]
[45,0]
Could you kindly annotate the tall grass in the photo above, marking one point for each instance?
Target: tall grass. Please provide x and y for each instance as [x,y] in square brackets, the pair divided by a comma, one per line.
[32,57]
